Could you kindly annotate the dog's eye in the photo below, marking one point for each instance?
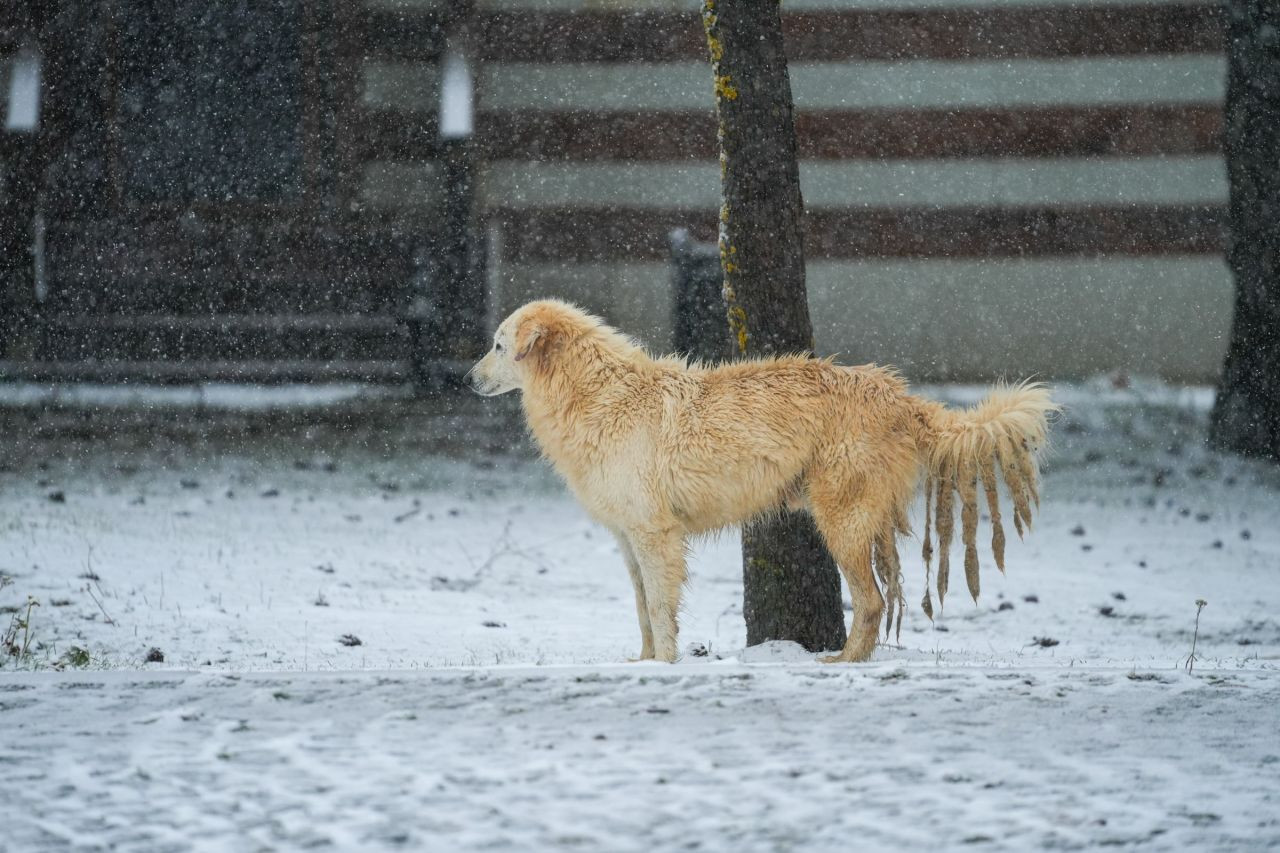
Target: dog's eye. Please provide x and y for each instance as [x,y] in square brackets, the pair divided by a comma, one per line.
[497,345]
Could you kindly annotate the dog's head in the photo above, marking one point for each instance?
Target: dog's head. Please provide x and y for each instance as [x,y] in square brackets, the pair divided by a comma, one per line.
[522,344]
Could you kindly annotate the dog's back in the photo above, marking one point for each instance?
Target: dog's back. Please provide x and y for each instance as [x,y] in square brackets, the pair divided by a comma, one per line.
[738,439]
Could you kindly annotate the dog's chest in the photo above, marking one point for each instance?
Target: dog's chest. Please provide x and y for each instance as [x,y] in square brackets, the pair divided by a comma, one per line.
[610,483]
[605,450]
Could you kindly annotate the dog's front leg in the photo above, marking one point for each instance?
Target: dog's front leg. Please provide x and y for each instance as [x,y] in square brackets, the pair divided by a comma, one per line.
[660,554]
[642,607]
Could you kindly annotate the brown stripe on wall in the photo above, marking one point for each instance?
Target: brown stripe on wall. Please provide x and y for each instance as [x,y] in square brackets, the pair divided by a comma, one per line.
[587,234]
[390,35]
[592,234]
[538,135]
[394,135]
[862,34]
[995,232]
[893,134]
[1049,131]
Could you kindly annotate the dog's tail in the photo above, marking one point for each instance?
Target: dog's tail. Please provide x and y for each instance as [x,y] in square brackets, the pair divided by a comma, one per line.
[961,449]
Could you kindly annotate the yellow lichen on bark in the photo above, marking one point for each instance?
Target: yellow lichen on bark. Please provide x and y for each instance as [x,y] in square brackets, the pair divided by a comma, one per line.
[724,91]
[709,20]
[738,325]
[714,47]
[725,88]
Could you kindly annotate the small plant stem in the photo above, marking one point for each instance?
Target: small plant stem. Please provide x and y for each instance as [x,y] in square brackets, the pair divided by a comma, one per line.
[1195,636]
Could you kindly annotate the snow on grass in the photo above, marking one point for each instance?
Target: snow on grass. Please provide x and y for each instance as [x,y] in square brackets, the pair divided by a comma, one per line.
[395,631]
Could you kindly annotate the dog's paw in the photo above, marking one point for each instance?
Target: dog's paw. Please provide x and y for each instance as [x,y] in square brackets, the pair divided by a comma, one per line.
[845,657]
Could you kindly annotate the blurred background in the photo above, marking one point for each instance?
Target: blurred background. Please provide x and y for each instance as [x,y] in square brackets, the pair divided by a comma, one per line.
[280,190]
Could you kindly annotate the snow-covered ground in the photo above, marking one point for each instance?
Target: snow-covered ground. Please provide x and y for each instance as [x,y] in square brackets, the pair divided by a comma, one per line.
[252,540]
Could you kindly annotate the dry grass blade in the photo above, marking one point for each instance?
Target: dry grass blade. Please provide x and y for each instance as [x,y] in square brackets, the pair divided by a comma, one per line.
[968,485]
[988,470]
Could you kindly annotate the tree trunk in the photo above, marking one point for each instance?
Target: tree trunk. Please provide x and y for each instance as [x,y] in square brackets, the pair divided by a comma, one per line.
[791,588]
[1246,415]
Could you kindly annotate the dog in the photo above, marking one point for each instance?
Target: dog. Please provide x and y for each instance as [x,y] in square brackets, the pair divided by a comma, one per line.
[658,450]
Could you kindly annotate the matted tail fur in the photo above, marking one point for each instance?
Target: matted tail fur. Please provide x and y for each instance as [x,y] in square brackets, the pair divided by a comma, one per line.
[962,450]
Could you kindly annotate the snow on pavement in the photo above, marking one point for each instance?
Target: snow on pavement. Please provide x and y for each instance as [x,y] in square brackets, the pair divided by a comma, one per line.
[485,706]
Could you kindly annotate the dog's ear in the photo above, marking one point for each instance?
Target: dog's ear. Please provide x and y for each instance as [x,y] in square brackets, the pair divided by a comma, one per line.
[528,334]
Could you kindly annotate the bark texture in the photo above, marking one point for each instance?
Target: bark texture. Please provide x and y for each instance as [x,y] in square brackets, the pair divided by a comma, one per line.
[1246,416]
[791,587]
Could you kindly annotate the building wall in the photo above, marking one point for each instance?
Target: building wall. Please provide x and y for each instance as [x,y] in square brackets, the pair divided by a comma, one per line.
[992,188]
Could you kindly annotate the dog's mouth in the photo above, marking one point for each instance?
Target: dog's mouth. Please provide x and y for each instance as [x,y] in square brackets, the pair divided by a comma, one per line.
[481,385]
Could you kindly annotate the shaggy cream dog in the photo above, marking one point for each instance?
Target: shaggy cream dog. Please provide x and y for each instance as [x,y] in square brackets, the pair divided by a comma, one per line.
[658,450]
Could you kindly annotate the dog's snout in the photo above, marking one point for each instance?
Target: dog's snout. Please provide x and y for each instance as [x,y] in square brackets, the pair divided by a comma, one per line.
[490,376]
[477,381]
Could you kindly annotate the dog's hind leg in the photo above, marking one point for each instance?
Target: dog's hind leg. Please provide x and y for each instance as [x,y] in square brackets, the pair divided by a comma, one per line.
[642,607]
[850,527]
[661,555]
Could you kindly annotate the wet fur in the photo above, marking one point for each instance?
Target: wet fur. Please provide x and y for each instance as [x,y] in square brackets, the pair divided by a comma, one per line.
[658,450]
